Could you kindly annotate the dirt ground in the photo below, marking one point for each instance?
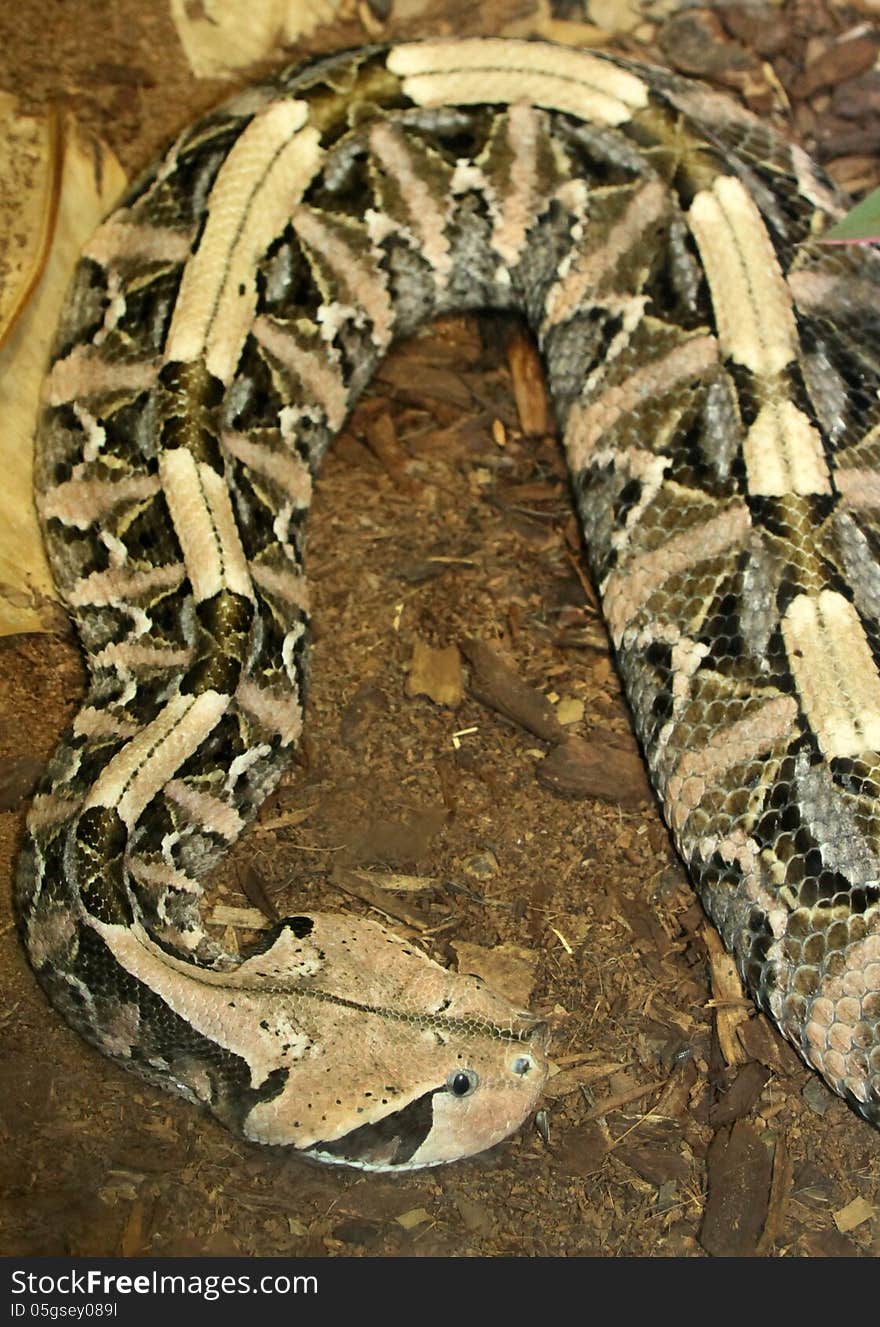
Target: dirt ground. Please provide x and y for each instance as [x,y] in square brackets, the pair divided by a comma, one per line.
[679,1123]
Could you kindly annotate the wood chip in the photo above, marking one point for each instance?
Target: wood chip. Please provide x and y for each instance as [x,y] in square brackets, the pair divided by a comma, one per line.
[762,1042]
[496,684]
[728,997]
[416,1216]
[657,1165]
[569,710]
[741,1096]
[572,1079]
[18,779]
[842,61]
[619,1099]
[429,383]
[583,1150]
[739,1170]
[381,436]
[529,388]
[360,885]
[780,1191]
[582,767]
[254,889]
[854,1214]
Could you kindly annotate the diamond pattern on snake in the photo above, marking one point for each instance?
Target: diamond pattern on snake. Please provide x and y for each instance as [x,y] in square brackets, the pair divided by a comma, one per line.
[716,374]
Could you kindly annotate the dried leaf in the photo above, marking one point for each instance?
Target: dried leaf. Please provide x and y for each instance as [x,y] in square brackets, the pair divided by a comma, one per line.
[436,673]
[854,1214]
[508,969]
[220,37]
[91,180]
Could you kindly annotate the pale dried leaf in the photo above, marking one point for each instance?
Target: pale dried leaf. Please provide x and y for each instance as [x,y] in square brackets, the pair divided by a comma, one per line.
[436,673]
[854,1214]
[570,710]
[91,180]
[30,176]
[220,37]
[416,1216]
[247,919]
[508,969]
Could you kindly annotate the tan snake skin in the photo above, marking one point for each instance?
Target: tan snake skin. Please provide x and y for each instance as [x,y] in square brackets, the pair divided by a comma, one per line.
[717,376]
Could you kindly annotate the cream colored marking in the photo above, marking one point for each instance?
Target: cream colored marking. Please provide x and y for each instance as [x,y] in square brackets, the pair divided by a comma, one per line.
[593,264]
[80,502]
[813,291]
[737,848]
[860,487]
[54,939]
[122,1030]
[121,240]
[319,373]
[48,809]
[812,187]
[201,512]
[588,424]
[283,467]
[629,587]
[835,673]
[649,468]
[752,303]
[85,372]
[133,777]
[91,722]
[427,220]
[687,655]
[277,713]
[289,585]
[443,73]
[162,876]
[204,809]
[262,179]
[847,991]
[365,282]
[697,772]
[129,654]
[103,588]
[520,204]
[783,453]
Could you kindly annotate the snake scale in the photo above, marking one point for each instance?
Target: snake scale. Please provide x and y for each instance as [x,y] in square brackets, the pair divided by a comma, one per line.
[716,375]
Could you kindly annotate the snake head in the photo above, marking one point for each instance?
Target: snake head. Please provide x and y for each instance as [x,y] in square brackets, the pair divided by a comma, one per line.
[337,1039]
[403,1063]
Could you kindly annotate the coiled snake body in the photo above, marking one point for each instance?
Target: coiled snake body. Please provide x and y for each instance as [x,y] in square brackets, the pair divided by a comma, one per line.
[716,374]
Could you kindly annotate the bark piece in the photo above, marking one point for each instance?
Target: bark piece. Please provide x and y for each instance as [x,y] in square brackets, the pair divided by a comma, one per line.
[580,767]
[741,1096]
[843,61]
[740,1167]
[657,1165]
[496,684]
[762,1042]
[529,388]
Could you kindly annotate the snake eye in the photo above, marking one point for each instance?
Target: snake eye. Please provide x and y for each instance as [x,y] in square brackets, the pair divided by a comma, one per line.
[462,1082]
[521,1065]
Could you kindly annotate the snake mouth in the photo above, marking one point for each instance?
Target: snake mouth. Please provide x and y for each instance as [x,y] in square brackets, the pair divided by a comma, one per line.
[386,1144]
[465,1114]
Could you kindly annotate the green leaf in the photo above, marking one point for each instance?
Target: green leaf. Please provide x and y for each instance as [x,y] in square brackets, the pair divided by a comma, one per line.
[861,225]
